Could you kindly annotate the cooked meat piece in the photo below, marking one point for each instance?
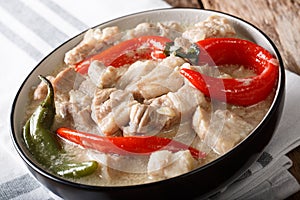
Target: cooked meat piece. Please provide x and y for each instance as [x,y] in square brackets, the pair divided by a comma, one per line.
[148,120]
[64,81]
[104,76]
[95,70]
[134,73]
[110,110]
[62,105]
[165,164]
[213,26]
[162,101]
[186,99]
[137,118]
[78,108]
[222,130]
[183,101]
[93,41]
[162,79]
[168,29]
[79,98]
[172,62]
[149,90]
[101,95]
[82,118]
[88,87]
[201,121]
[111,75]
[100,106]
[122,102]
[166,109]
[141,30]
[146,79]
[108,126]
[253,114]
[67,80]
[41,90]
[163,112]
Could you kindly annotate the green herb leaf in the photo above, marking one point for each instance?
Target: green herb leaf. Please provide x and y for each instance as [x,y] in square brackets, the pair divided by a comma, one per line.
[192,54]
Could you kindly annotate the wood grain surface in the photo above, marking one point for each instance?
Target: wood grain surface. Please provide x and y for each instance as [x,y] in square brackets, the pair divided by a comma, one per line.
[280,20]
[184,3]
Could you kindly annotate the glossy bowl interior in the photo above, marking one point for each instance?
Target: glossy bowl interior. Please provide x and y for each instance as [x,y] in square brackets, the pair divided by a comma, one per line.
[201,182]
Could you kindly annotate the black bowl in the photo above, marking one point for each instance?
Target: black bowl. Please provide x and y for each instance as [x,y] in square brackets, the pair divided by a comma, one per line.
[202,182]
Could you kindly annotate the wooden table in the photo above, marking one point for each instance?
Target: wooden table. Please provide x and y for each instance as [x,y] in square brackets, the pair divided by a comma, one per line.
[279,19]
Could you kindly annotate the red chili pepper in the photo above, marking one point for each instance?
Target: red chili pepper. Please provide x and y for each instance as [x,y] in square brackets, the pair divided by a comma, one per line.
[140,145]
[239,91]
[127,52]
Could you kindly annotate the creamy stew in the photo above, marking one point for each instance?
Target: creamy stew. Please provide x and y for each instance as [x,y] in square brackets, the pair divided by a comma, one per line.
[136,88]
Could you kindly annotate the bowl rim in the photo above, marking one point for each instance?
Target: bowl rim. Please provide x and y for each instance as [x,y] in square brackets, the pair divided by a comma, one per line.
[279,92]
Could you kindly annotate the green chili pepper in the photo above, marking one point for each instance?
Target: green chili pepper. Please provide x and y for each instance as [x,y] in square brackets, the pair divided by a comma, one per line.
[37,135]
[43,143]
[76,170]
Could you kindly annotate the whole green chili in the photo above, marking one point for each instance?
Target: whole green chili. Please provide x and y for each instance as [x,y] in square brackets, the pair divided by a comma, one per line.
[43,144]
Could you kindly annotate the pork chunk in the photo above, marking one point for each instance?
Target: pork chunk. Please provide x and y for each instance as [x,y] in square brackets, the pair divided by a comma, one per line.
[172,62]
[63,82]
[201,121]
[165,164]
[183,102]
[110,110]
[78,108]
[134,73]
[88,87]
[148,120]
[221,130]
[104,76]
[168,29]
[79,98]
[163,112]
[162,79]
[186,99]
[141,30]
[213,26]
[149,79]
[82,118]
[108,126]
[101,108]
[93,41]
[67,80]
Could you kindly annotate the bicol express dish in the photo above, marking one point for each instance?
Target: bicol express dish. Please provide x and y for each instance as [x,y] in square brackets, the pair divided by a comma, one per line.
[140,105]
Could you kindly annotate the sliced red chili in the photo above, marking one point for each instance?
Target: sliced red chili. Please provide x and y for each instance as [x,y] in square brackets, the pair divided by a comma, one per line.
[127,52]
[233,51]
[140,145]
